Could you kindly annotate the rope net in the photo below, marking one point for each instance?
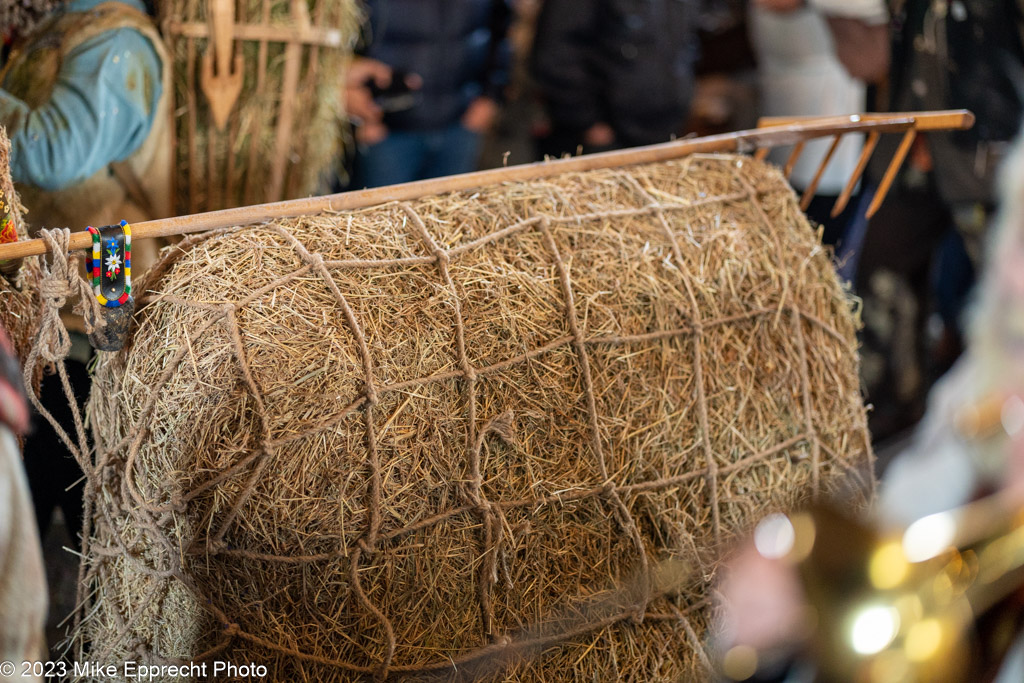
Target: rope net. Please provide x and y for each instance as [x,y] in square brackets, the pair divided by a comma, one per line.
[502,434]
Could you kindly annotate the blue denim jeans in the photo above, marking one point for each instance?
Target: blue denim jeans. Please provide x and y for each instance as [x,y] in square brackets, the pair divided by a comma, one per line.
[404,156]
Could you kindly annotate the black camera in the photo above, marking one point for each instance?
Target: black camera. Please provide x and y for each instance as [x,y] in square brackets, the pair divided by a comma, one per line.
[397,96]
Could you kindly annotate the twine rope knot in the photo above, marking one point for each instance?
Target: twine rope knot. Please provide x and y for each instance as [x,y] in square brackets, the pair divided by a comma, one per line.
[60,280]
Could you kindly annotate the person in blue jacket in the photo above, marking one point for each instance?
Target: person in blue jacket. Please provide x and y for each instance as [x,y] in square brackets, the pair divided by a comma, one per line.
[84,102]
[454,58]
[82,98]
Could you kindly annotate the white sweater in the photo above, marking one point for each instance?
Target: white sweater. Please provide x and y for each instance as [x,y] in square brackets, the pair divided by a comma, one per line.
[800,75]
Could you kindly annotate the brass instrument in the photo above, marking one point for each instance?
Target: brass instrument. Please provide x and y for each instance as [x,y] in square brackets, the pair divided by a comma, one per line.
[934,601]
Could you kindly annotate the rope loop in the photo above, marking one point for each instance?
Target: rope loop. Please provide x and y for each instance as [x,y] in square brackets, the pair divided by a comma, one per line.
[61,281]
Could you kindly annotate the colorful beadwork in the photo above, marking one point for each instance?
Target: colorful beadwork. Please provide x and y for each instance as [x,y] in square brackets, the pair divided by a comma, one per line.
[8,230]
[8,233]
[109,262]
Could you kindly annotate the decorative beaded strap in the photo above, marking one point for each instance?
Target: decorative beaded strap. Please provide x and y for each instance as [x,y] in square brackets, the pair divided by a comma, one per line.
[8,230]
[112,263]
[8,234]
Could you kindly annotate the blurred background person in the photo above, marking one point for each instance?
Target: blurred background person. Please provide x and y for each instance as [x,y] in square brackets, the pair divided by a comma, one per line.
[724,99]
[427,86]
[614,73]
[815,58]
[921,252]
[726,95]
[22,580]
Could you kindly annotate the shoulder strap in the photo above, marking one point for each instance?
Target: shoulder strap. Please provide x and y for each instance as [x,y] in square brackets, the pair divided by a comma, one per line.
[109,16]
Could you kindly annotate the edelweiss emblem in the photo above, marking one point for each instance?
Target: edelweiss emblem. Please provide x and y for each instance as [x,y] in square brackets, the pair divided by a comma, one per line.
[113,260]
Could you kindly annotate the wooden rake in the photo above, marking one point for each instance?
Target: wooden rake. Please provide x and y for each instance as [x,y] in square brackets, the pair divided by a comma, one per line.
[771,133]
[221,85]
[942,120]
[221,78]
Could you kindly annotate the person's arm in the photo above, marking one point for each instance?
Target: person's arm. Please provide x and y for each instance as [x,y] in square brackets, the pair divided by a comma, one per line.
[860,29]
[482,111]
[562,66]
[359,104]
[101,110]
[499,53]
[864,49]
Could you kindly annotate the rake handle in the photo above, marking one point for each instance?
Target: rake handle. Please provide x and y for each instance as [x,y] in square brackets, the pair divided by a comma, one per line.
[786,132]
[953,119]
[222,26]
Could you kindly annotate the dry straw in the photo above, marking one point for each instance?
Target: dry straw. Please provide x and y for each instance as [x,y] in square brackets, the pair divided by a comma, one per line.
[288,113]
[19,303]
[463,435]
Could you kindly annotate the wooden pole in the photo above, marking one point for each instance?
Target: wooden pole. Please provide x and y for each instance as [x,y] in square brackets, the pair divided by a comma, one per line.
[306,35]
[743,141]
[951,119]
[286,105]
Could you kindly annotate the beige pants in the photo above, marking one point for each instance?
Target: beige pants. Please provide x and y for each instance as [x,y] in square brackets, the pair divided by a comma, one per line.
[22,579]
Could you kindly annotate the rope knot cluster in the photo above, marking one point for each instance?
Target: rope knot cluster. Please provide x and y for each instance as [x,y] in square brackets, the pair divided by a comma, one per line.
[54,291]
[60,280]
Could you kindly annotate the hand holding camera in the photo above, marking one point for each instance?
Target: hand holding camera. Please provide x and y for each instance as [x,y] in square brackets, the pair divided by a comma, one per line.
[373,89]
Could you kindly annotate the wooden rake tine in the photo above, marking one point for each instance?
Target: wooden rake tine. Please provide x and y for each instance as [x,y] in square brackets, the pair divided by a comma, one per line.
[762,153]
[805,201]
[862,163]
[890,173]
[798,149]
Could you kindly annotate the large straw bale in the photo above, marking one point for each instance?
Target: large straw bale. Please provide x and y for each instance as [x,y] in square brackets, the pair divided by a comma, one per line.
[510,426]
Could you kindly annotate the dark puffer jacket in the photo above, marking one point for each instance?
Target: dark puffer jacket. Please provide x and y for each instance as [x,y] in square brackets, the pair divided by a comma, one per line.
[628,63]
[965,54]
[458,47]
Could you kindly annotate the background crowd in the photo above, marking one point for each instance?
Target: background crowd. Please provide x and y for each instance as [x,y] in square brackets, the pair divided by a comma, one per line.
[448,87]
